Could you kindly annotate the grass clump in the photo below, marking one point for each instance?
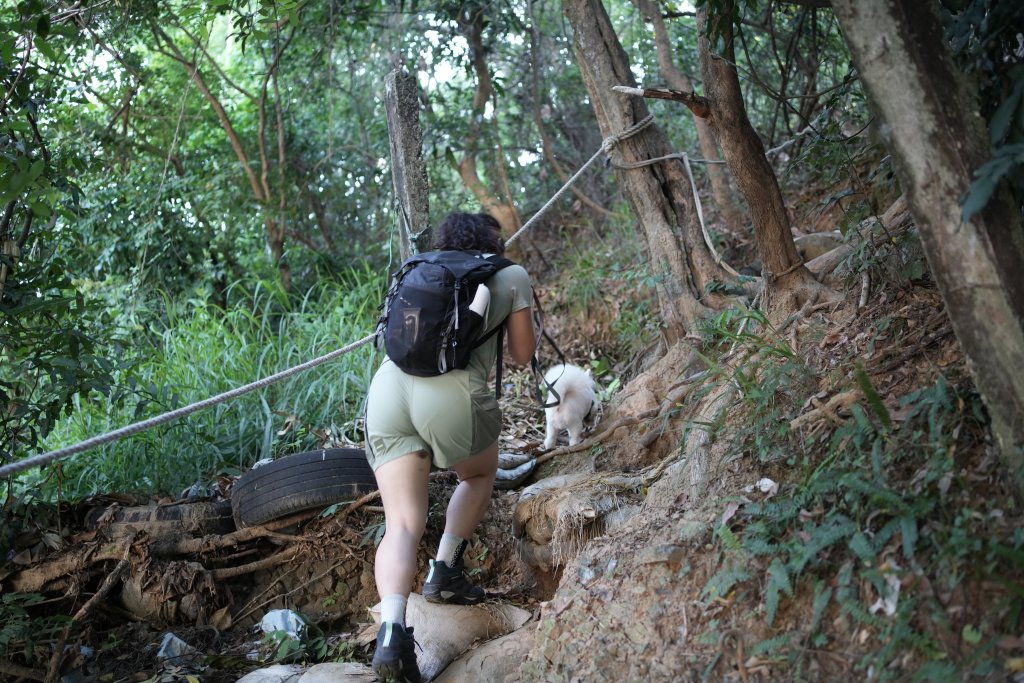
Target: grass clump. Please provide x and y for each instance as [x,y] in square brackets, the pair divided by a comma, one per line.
[199,350]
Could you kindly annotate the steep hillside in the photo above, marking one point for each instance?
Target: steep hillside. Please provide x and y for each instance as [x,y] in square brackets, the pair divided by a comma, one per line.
[807,497]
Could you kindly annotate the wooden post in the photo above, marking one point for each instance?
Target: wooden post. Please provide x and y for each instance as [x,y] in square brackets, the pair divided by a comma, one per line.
[408,172]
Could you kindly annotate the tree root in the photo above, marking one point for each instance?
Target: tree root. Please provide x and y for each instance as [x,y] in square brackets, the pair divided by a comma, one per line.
[77,560]
[827,410]
[53,671]
[598,438]
[18,672]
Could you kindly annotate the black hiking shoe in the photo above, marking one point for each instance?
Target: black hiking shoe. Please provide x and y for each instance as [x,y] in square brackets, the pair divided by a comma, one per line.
[449,585]
[394,660]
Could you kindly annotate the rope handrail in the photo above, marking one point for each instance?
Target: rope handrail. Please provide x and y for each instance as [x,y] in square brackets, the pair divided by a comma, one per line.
[123,432]
[118,434]
[606,147]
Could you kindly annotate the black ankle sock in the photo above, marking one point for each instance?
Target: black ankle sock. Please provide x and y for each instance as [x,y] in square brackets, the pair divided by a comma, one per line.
[457,557]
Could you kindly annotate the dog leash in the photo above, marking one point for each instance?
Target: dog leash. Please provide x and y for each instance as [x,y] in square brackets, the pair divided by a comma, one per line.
[538,376]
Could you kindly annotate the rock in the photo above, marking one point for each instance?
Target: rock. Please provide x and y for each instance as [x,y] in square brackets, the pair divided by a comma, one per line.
[496,661]
[279,673]
[338,672]
[813,245]
[443,632]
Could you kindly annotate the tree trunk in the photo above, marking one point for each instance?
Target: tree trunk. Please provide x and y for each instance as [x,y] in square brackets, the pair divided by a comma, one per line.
[938,140]
[660,193]
[781,264]
[408,171]
[547,148]
[677,80]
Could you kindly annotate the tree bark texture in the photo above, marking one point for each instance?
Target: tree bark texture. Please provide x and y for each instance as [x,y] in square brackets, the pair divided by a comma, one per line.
[408,171]
[745,156]
[660,194]
[931,124]
[677,80]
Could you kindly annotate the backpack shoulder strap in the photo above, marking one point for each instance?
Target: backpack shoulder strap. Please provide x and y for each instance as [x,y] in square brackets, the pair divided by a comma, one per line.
[500,262]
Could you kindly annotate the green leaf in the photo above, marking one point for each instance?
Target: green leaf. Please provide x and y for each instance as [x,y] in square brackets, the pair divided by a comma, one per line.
[719,585]
[908,525]
[48,50]
[43,26]
[1006,160]
[874,400]
[778,583]
[999,125]
[861,547]
[780,575]
[970,634]
[822,596]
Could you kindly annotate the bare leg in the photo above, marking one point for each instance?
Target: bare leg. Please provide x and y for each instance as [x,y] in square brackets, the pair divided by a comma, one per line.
[473,494]
[403,491]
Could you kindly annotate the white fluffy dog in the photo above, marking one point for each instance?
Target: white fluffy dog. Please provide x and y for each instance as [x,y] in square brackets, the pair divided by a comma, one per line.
[577,401]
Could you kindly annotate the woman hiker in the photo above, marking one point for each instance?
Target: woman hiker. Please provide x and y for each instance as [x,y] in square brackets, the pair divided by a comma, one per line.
[451,421]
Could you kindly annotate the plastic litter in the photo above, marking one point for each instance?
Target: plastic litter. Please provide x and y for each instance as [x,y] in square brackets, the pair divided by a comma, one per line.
[176,652]
[284,620]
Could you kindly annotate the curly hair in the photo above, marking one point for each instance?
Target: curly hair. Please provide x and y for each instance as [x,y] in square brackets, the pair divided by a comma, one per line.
[468,232]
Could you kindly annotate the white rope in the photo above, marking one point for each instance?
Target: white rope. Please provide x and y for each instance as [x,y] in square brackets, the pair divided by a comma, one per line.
[117,434]
[674,155]
[606,146]
[696,197]
[700,215]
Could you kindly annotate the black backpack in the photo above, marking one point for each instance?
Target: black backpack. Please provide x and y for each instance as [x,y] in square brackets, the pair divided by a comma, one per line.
[426,326]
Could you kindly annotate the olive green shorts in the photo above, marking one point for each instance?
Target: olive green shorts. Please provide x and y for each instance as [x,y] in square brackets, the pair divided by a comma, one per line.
[438,415]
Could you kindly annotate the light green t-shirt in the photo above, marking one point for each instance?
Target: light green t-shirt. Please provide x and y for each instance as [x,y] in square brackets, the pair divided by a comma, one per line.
[510,292]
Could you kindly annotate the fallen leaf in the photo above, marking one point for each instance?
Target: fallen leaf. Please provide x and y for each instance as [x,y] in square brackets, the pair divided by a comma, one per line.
[730,511]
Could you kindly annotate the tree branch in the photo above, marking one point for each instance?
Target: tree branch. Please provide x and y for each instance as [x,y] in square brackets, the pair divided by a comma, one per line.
[697,104]
[216,66]
[21,671]
[222,115]
[112,579]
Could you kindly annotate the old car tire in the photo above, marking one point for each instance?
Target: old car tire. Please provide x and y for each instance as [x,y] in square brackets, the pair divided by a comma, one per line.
[300,482]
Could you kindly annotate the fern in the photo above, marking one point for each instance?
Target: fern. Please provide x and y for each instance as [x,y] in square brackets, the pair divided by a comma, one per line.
[874,400]
[878,495]
[908,525]
[772,645]
[861,547]
[778,582]
[719,585]
[823,537]
[822,596]
[857,611]
[760,546]
[935,671]
[730,541]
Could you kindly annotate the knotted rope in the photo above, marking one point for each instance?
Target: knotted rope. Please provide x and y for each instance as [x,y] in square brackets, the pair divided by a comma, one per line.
[606,146]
